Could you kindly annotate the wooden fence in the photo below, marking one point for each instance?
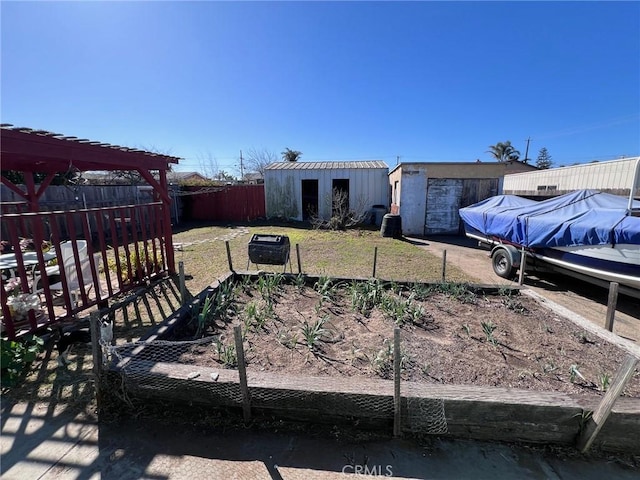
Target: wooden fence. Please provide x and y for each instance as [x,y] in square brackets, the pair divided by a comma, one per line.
[233,203]
[72,197]
[125,246]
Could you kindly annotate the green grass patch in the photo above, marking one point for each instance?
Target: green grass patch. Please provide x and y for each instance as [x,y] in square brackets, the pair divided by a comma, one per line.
[331,253]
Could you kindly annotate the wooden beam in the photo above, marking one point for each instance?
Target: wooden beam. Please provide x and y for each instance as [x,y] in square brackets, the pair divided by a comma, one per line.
[611,306]
[397,369]
[599,417]
[242,372]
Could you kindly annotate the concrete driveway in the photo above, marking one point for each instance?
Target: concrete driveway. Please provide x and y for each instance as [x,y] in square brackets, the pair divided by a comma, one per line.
[580,297]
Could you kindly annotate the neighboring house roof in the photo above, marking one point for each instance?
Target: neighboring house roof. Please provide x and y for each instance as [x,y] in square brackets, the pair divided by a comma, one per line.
[253,176]
[183,176]
[326,165]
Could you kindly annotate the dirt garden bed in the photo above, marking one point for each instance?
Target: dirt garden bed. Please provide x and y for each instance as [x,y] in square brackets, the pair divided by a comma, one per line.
[451,334]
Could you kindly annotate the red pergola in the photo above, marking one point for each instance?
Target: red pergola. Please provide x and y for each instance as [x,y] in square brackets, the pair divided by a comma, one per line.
[38,151]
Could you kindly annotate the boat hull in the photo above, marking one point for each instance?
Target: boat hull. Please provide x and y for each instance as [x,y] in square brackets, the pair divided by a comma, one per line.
[611,263]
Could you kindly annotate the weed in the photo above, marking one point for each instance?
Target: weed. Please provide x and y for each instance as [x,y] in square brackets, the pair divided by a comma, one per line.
[17,355]
[227,354]
[459,291]
[401,310]
[584,338]
[583,417]
[575,373]
[467,329]
[300,281]
[205,317]
[251,312]
[488,328]
[326,288]
[604,380]
[513,304]
[312,334]
[287,338]
[421,291]
[365,295]
[382,363]
[246,285]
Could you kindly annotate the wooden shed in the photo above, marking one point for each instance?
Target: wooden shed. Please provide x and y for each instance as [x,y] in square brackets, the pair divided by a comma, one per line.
[428,195]
[301,190]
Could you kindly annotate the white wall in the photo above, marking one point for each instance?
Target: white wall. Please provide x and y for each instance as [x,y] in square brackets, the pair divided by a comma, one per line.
[283,189]
[612,175]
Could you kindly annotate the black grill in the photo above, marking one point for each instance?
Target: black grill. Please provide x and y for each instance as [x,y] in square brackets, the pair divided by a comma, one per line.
[269,249]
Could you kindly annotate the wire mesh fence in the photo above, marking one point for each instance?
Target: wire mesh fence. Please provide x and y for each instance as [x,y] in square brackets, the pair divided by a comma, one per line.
[166,369]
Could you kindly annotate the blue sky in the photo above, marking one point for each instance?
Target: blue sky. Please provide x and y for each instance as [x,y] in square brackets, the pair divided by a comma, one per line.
[425,81]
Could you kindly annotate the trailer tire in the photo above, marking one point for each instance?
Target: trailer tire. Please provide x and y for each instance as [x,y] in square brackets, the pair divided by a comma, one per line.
[503,264]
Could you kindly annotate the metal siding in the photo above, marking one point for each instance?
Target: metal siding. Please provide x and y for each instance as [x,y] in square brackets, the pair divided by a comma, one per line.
[412,207]
[613,175]
[370,182]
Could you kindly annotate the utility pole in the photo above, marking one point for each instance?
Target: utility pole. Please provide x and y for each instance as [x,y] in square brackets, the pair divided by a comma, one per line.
[397,159]
[241,167]
[526,153]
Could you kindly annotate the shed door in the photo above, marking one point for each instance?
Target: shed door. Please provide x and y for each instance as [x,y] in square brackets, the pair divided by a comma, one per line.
[309,199]
[443,202]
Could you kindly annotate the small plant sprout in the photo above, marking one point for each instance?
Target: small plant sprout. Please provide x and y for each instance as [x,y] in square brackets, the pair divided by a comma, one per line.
[488,328]
[326,288]
[226,353]
[605,381]
[467,329]
[287,338]
[300,281]
[575,373]
[312,334]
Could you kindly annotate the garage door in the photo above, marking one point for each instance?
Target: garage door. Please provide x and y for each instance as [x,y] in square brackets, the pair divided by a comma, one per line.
[443,202]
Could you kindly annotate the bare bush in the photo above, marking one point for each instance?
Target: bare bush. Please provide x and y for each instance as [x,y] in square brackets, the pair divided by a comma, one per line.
[342,217]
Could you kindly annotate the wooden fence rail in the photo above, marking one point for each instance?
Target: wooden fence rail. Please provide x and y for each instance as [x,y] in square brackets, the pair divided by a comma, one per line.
[125,247]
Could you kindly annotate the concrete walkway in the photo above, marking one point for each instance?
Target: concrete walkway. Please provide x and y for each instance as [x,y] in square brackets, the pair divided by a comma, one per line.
[38,443]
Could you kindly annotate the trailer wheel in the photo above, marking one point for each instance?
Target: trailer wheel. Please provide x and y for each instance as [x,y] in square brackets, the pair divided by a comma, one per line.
[503,265]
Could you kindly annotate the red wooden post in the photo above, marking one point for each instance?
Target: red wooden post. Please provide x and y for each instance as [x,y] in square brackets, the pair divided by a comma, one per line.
[166,209]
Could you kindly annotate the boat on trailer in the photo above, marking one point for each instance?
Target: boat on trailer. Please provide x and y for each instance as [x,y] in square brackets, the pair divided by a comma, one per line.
[589,234]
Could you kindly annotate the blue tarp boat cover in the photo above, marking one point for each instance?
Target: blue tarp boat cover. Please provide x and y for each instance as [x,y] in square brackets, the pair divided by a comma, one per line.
[583,217]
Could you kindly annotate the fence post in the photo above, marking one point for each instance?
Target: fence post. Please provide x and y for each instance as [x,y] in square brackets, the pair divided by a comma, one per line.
[397,403]
[611,306]
[444,265]
[523,262]
[183,292]
[229,255]
[375,261]
[298,257]
[599,417]
[242,373]
[96,350]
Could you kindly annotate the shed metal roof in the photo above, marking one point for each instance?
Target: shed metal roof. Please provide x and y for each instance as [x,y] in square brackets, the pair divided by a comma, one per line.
[371,164]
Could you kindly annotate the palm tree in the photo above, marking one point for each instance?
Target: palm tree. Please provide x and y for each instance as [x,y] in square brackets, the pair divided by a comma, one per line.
[291,155]
[504,152]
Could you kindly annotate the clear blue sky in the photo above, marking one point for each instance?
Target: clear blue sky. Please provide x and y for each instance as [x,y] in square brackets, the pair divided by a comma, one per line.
[428,81]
